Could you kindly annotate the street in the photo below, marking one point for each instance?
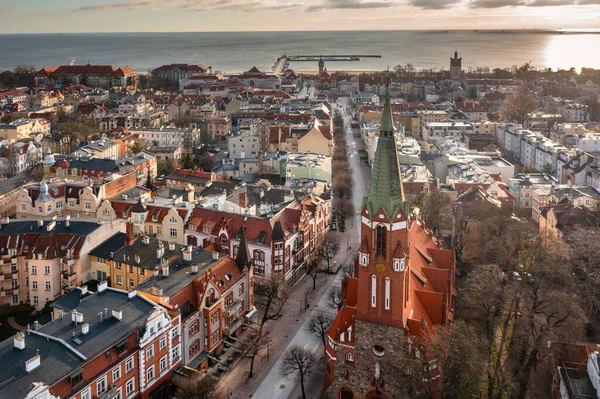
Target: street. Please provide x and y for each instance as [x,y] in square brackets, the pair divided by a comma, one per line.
[290,330]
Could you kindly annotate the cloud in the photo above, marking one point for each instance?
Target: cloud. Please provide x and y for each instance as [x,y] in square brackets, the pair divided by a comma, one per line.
[349,5]
[433,4]
[528,3]
[239,5]
[126,6]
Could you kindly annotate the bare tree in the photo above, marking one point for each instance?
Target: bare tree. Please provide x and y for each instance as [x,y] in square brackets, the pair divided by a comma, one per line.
[517,107]
[334,297]
[272,298]
[254,345]
[436,210]
[584,249]
[196,388]
[319,324]
[298,362]
[313,271]
[328,251]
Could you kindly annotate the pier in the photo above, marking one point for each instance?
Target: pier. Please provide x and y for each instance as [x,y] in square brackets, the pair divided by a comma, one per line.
[283,62]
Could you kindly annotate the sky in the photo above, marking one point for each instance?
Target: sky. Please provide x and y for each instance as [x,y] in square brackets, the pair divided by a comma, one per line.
[62,16]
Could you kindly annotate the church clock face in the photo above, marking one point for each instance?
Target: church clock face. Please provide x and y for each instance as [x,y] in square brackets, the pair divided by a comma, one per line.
[380,267]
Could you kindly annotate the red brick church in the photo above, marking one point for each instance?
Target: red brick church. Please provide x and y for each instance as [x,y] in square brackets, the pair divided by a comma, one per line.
[403,286]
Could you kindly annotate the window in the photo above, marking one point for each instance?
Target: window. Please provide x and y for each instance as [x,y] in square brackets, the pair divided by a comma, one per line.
[23,207]
[349,357]
[174,353]
[116,374]
[173,232]
[193,328]
[34,285]
[33,269]
[241,290]
[388,283]
[381,232]
[206,230]
[193,227]
[373,290]
[35,300]
[119,280]
[131,283]
[172,220]
[150,373]
[40,210]
[101,386]
[150,352]
[158,230]
[119,265]
[174,332]
[194,348]
[27,281]
[47,285]
[129,364]
[163,342]
[130,387]
[163,364]
[378,350]
[59,205]
[86,393]
[88,206]
[46,270]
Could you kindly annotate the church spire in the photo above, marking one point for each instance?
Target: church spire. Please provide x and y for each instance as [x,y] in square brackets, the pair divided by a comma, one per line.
[386,190]
[242,258]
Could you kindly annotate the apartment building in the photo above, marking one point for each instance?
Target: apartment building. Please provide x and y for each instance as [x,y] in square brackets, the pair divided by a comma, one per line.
[173,73]
[89,75]
[454,129]
[103,344]
[167,136]
[61,197]
[96,170]
[280,245]
[25,128]
[214,294]
[429,116]
[243,145]
[218,128]
[43,259]
[522,186]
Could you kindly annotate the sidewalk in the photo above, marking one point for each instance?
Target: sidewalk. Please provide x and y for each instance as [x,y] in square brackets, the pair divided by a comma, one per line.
[281,331]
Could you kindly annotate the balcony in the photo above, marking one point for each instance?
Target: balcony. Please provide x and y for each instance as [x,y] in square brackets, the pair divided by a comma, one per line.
[234,307]
[233,326]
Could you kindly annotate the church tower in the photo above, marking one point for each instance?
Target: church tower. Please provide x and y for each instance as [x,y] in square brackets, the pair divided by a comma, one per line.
[455,67]
[382,263]
[321,66]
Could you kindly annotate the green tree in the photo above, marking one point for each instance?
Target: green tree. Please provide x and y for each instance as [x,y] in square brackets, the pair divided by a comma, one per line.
[136,148]
[149,184]
[188,161]
[162,167]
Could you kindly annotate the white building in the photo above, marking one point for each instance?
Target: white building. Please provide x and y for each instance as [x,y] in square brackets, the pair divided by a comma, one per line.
[244,145]
[454,129]
[166,137]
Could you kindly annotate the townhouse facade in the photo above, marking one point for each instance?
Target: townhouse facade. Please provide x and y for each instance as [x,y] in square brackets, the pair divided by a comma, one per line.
[43,259]
[279,245]
[109,343]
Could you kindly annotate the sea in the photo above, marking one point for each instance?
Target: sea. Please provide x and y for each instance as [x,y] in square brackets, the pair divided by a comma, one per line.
[239,51]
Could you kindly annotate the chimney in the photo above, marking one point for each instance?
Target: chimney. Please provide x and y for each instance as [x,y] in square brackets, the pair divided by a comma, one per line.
[117,314]
[85,328]
[40,224]
[36,325]
[137,259]
[102,286]
[171,246]
[156,290]
[100,317]
[68,221]
[5,220]
[105,314]
[50,225]
[165,270]
[194,268]
[33,363]
[215,255]
[187,253]
[132,294]
[76,317]
[129,235]
[160,250]
[146,240]
[84,290]
[156,270]
[243,202]
[19,341]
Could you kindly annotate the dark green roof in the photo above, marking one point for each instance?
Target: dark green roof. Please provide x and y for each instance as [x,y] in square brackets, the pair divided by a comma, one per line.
[385,189]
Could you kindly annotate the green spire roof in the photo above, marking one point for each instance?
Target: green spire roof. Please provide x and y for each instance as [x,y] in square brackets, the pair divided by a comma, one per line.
[385,189]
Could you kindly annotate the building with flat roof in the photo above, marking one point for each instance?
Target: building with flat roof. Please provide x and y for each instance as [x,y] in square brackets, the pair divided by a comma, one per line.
[108,343]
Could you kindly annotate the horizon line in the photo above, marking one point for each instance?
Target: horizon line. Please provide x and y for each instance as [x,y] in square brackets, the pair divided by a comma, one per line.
[441,30]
